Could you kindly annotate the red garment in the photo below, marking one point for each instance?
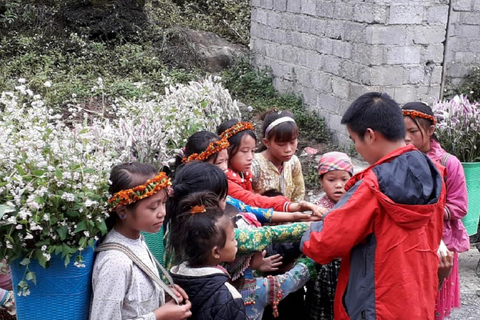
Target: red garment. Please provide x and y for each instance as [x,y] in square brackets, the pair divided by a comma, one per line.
[386,229]
[240,187]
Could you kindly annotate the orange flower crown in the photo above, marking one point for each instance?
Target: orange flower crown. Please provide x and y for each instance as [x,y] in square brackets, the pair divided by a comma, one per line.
[236,128]
[198,209]
[212,148]
[129,196]
[418,114]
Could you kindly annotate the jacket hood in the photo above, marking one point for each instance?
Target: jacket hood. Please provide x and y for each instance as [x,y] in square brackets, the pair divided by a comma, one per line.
[409,186]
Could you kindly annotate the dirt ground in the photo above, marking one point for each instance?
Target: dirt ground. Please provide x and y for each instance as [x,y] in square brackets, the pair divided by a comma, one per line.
[470,287]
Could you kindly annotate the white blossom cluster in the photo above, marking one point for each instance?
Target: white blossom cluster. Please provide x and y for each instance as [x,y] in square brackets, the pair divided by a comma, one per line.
[54,177]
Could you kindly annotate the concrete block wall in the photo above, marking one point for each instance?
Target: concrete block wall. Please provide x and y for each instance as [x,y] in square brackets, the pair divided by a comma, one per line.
[332,51]
[463,44]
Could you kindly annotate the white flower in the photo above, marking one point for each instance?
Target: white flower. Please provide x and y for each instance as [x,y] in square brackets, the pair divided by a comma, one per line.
[44,248]
[68,197]
[47,84]
[89,203]
[22,80]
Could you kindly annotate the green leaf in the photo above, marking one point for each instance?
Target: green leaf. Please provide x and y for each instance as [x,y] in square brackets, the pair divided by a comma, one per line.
[82,225]
[2,210]
[62,232]
[31,277]
[25,261]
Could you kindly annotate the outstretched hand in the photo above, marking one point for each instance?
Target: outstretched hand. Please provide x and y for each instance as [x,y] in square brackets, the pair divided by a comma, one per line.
[316,210]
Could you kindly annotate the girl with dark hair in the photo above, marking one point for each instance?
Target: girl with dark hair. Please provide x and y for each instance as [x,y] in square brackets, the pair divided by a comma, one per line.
[256,292]
[208,146]
[276,166]
[125,279]
[420,125]
[207,239]
[242,141]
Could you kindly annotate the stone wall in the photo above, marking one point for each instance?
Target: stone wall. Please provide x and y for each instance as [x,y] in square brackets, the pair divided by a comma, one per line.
[463,45]
[332,51]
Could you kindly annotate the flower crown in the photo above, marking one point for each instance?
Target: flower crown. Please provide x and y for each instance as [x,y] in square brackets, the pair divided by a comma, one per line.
[212,148]
[236,128]
[129,196]
[418,114]
[198,209]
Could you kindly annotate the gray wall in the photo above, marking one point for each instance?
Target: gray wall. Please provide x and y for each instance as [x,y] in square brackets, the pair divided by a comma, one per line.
[333,51]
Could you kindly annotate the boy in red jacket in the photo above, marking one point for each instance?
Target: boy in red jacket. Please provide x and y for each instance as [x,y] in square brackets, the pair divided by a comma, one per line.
[388,226]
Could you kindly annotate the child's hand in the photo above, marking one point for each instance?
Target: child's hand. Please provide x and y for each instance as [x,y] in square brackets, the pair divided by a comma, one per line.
[306,217]
[444,267]
[173,311]
[181,294]
[316,210]
[271,263]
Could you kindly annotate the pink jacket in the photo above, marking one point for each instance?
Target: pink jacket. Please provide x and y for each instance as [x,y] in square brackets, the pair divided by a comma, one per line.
[454,233]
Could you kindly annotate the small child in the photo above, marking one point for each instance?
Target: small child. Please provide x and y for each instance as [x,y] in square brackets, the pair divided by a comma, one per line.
[242,141]
[125,279]
[276,166]
[207,239]
[334,170]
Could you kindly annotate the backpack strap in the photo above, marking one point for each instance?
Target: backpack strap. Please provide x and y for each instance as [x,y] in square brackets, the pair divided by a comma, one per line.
[139,263]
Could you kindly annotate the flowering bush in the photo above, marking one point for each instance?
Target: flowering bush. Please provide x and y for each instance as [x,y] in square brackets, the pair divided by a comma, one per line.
[458,127]
[54,176]
[153,131]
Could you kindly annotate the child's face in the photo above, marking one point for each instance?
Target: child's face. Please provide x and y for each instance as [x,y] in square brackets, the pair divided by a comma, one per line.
[228,252]
[148,214]
[281,151]
[418,135]
[222,160]
[333,183]
[242,160]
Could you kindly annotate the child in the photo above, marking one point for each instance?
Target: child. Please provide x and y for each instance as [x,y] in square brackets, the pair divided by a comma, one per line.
[122,289]
[240,152]
[207,239]
[7,298]
[276,166]
[256,291]
[334,170]
[388,226]
[420,125]
[208,146]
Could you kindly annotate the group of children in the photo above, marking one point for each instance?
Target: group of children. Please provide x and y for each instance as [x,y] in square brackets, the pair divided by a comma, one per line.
[240,237]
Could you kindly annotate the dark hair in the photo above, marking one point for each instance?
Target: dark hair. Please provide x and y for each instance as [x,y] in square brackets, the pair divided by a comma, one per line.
[193,177]
[235,140]
[421,122]
[197,233]
[126,176]
[377,111]
[197,143]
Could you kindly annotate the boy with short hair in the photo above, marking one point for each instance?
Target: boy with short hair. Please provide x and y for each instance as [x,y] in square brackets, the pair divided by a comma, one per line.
[388,226]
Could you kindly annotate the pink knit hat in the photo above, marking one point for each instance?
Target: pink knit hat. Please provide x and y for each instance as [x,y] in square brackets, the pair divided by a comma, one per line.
[332,161]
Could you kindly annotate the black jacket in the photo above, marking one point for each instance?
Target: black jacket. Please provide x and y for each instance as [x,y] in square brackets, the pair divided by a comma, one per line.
[212,297]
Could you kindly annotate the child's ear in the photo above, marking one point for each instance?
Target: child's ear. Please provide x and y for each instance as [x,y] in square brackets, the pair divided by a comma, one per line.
[121,211]
[431,130]
[265,142]
[215,253]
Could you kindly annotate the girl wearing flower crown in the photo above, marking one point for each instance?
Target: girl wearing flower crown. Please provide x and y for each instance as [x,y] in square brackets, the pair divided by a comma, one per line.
[125,279]
[257,292]
[276,167]
[242,142]
[208,146]
[207,239]
[420,125]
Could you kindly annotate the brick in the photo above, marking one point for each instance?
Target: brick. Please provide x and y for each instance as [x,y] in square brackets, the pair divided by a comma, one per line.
[308,7]
[472,18]
[405,14]
[303,76]
[468,31]
[331,64]
[294,6]
[351,70]
[404,94]
[289,21]
[329,102]
[318,27]
[334,29]
[280,5]
[325,45]
[288,54]
[437,15]
[433,52]
[343,10]
[462,5]
[354,32]
[402,55]
[378,34]
[309,95]
[342,49]
[325,9]
[274,19]
[415,75]
[426,35]
[370,13]
[314,60]
[321,80]
[474,45]
[368,54]
[383,75]
[340,87]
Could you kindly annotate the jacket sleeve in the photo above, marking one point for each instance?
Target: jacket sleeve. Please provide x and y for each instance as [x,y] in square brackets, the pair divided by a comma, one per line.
[257,239]
[263,215]
[298,182]
[278,203]
[344,227]
[456,207]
